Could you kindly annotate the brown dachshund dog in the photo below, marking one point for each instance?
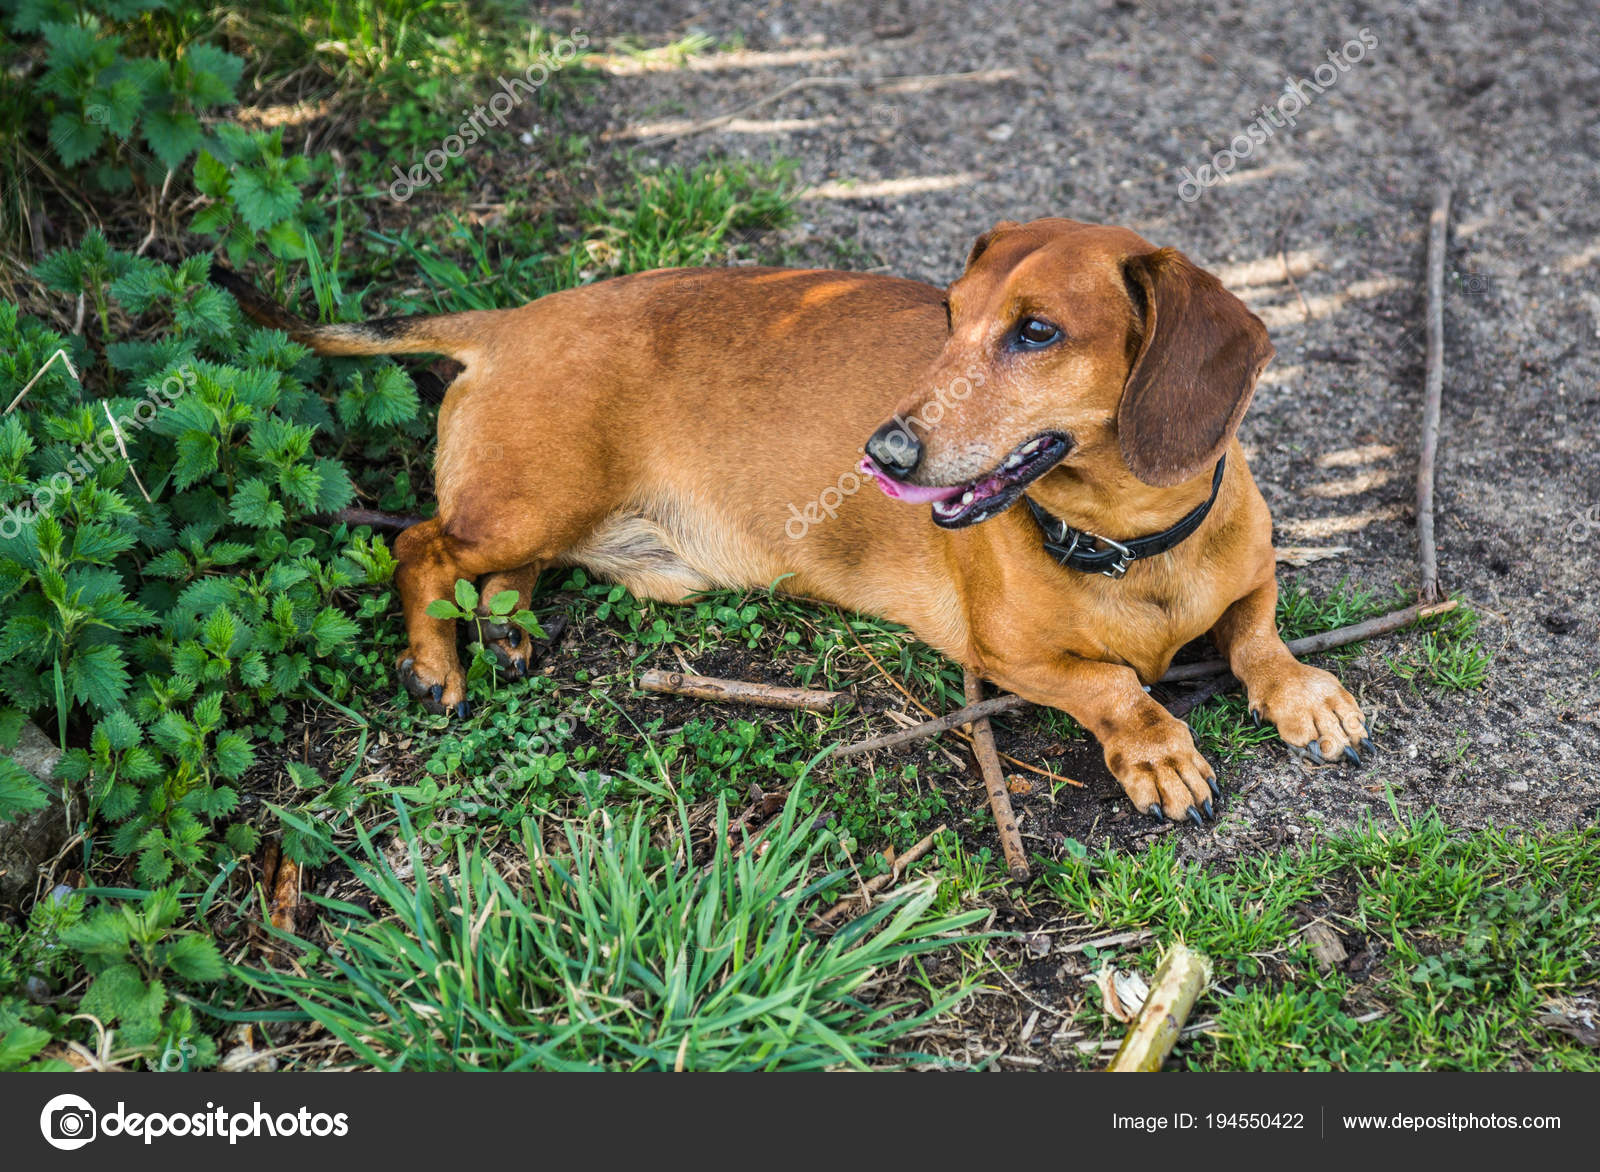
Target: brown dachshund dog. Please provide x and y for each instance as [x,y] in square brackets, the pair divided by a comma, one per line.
[686,430]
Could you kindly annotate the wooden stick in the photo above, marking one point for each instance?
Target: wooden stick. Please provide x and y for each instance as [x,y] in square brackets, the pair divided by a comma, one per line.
[1427,554]
[932,728]
[1312,644]
[1205,669]
[1005,821]
[1179,981]
[899,687]
[677,683]
[878,882]
[1113,941]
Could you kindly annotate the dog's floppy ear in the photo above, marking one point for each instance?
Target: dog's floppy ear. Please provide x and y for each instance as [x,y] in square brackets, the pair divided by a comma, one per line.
[1195,371]
[983,242]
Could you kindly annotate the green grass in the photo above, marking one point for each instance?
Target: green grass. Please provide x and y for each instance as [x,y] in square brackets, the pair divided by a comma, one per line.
[1473,936]
[623,949]
[1447,654]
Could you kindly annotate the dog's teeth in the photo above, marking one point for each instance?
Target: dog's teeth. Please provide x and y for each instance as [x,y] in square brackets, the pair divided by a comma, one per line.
[1014,462]
[966,498]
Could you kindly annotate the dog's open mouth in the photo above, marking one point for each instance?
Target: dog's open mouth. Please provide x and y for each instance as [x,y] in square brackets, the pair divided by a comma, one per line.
[958,505]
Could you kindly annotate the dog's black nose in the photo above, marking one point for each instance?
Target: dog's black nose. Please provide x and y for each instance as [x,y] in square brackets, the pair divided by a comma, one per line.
[895,450]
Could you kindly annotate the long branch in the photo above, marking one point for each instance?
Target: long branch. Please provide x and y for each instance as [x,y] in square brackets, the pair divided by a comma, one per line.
[1427,553]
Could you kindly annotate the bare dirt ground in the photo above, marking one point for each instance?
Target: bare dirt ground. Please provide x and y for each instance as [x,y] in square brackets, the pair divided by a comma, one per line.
[1093,110]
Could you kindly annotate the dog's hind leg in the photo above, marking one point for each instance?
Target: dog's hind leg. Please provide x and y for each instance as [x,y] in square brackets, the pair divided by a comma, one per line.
[509,643]
[431,559]
[429,668]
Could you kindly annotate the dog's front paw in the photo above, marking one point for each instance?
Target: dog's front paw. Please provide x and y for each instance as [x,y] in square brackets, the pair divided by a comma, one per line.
[1315,716]
[438,682]
[1161,771]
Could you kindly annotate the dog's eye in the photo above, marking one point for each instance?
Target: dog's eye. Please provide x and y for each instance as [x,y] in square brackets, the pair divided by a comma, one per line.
[1034,332]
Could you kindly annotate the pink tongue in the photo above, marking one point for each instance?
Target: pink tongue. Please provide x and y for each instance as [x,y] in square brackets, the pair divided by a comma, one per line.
[915,494]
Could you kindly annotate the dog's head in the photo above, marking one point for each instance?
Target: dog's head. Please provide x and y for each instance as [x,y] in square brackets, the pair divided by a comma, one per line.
[1071,343]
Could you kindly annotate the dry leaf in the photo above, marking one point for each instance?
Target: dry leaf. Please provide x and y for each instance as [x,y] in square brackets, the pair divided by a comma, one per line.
[286,895]
[1326,947]
[1122,994]
[1019,785]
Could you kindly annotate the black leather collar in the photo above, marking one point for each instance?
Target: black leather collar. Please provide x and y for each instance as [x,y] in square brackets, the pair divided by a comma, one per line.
[1078,550]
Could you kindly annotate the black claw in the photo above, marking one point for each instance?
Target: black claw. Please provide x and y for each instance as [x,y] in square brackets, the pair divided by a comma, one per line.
[1314,751]
[1352,756]
[515,637]
[1194,816]
[1155,813]
[1210,813]
[1216,790]
[463,709]
[519,669]
[437,693]
[1367,746]
[1255,716]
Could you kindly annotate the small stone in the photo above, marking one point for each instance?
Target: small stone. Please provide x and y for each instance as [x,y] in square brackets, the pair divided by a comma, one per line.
[1517,787]
[28,841]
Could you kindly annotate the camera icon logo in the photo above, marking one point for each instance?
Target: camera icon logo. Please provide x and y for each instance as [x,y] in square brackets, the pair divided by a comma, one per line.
[68,1122]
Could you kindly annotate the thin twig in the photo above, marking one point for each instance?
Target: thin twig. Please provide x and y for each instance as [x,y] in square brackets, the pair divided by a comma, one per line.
[878,882]
[677,683]
[38,374]
[123,448]
[1327,640]
[155,212]
[1009,760]
[1005,820]
[980,711]
[1114,941]
[1427,554]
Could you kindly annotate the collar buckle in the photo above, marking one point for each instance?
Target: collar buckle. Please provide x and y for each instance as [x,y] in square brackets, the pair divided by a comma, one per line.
[1089,553]
[1125,556]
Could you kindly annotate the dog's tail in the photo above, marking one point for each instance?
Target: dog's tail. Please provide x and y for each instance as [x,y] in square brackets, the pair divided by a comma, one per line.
[447,334]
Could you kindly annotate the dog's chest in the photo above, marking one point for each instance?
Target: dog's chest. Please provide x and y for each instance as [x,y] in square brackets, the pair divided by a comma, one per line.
[1141,620]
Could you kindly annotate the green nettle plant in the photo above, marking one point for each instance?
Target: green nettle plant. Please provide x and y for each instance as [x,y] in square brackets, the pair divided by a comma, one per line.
[168,614]
[136,953]
[124,88]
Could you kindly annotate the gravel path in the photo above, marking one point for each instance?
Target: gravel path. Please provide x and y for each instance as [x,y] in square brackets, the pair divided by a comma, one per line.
[1094,111]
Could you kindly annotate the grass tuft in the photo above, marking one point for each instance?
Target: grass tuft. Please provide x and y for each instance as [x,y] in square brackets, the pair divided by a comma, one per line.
[617,953]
